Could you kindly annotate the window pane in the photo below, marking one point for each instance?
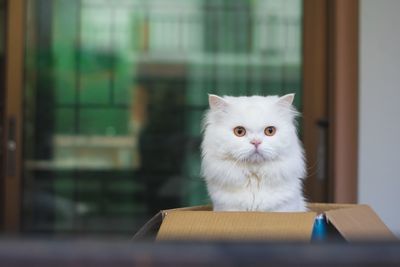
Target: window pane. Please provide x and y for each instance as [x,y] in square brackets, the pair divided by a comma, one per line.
[115,93]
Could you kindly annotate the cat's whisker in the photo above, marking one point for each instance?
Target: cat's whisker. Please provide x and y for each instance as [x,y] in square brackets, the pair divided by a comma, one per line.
[312,170]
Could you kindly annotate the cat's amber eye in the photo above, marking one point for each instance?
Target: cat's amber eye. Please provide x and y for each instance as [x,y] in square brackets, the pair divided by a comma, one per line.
[239,131]
[270,131]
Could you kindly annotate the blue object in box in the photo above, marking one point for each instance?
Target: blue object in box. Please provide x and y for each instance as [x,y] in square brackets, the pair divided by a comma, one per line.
[320,230]
[323,231]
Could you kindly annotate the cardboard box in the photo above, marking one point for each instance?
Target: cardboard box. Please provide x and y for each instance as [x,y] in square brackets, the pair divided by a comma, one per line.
[349,221]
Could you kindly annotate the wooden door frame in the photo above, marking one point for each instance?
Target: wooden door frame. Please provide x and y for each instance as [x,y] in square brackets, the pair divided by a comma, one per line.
[315,56]
[344,95]
[12,121]
[330,86]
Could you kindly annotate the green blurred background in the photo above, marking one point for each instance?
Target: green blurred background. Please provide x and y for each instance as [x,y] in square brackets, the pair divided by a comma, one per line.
[114,97]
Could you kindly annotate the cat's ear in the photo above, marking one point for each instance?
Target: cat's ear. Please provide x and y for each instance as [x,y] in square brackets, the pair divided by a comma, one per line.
[286,100]
[216,102]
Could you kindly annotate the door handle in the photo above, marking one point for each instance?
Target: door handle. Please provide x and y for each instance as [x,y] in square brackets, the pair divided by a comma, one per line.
[11,146]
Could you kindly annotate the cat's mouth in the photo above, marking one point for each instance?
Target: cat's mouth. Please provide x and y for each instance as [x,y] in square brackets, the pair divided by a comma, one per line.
[254,156]
[257,156]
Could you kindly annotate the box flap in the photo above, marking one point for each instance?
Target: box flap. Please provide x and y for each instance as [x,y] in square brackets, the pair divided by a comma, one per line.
[359,223]
[149,230]
[323,207]
[205,225]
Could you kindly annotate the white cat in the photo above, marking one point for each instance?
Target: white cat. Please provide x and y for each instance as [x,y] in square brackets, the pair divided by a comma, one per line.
[252,157]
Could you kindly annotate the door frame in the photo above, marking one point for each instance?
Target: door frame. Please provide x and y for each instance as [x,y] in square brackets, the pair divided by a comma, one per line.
[12,121]
[330,98]
[343,93]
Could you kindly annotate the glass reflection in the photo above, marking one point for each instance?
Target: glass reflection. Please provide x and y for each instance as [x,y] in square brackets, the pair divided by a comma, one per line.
[114,97]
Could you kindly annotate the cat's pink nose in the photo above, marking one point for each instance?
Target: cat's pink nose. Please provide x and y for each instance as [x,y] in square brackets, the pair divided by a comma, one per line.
[256,142]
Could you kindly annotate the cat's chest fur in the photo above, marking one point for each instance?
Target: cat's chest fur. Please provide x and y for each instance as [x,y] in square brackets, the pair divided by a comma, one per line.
[260,188]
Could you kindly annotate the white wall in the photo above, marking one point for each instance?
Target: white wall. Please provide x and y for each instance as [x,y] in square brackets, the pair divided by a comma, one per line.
[379,110]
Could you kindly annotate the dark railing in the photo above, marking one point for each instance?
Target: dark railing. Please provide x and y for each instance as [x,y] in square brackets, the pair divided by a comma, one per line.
[89,253]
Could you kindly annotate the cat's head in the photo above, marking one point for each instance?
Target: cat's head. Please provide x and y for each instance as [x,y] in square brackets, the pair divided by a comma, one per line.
[250,129]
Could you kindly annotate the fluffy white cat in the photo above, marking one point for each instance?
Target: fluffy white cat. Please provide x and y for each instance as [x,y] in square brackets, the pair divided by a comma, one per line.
[252,157]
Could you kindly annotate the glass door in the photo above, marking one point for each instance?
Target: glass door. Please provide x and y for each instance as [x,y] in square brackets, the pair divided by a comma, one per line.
[114,97]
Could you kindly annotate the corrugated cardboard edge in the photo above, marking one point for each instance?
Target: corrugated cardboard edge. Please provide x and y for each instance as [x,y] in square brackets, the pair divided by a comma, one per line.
[205,225]
[321,208]
[359,223]
[193,208]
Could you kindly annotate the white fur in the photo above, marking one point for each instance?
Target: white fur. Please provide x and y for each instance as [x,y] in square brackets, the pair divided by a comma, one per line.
[238,179]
